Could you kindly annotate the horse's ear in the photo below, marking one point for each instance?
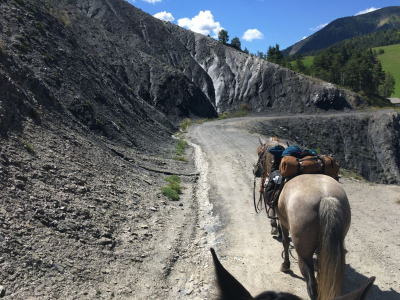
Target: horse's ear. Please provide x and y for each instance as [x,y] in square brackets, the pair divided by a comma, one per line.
[262,142]
[360,294]
[229,287]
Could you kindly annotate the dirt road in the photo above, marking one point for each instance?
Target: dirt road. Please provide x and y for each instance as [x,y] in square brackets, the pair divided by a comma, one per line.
[225,153]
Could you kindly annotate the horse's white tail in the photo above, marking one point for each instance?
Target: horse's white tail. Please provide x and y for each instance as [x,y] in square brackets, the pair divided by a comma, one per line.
[331,256]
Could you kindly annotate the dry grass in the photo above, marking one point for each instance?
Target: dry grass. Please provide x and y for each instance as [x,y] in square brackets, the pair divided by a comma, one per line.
[2,50]
[65,19]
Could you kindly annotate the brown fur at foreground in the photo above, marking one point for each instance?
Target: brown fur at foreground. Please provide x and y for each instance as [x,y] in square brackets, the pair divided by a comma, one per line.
[231,289]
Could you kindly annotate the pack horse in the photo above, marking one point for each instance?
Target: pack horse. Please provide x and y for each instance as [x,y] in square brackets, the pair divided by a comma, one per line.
[315,210]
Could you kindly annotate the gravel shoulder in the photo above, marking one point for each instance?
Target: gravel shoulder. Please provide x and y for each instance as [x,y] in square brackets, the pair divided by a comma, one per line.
[242,238]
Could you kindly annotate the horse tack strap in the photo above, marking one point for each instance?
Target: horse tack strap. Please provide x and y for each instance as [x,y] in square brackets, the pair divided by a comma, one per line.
[320,163]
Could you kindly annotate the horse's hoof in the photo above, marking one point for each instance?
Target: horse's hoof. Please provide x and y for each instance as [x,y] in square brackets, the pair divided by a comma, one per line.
[274,231]
[285,268]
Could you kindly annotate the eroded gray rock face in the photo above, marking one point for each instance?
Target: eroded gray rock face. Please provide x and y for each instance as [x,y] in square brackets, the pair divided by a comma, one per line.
[367,143]
[240,78]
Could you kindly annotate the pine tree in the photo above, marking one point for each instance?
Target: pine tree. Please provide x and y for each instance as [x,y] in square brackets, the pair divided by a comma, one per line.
[223,36]
[236,43]
[387,87]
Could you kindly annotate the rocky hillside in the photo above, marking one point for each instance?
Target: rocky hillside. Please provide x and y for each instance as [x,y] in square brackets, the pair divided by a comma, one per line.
[346,28]
[368,144]
[91,91]
[240,78]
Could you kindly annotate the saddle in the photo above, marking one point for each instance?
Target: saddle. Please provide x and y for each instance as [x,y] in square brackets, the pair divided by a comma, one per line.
[273,200]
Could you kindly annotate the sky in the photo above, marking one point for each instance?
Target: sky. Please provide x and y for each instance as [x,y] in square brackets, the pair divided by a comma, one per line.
[258,23]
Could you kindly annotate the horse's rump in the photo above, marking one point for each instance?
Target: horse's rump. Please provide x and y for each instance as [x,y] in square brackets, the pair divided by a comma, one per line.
[316,210]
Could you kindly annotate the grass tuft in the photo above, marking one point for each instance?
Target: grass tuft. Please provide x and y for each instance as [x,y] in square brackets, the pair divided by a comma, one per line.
[173,179]
[40,27]
[65,19]
[170,193]
[2,50]
[173,189]
[181,147]
[185,124]
[30,148]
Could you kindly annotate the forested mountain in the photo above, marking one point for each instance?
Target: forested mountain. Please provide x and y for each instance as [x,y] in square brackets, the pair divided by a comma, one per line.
[363,42]
[346,28]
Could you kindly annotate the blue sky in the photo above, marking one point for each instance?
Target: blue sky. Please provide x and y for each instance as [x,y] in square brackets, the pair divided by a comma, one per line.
[257,23]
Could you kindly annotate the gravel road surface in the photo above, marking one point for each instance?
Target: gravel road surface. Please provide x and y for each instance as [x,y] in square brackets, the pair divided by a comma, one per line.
[225,153]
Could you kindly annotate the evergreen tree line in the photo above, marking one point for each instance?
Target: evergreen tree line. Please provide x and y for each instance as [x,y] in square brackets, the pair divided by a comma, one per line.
[358,70]
[223,37]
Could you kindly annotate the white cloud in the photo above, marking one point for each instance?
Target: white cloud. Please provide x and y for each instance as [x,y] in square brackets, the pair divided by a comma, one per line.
[165,16]
[365,11]
[152,1]
[202,23]
[252,34]
[304,37]
[319,27]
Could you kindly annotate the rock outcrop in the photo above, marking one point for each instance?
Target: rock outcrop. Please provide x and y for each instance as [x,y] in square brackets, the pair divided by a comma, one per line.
[241,78]
[366,143]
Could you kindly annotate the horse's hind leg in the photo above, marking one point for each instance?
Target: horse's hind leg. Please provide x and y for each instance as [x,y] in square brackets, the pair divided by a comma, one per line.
[285,267]
[306,266]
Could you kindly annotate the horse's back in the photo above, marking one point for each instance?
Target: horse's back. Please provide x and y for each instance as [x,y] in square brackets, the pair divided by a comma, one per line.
[311,188]
[300,201]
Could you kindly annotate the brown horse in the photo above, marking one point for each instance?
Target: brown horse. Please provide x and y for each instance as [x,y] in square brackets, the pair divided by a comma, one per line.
[231,289]
[316,211]
[265,161]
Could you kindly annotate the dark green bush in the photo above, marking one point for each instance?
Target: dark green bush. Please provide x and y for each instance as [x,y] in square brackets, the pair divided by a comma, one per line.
[170,193]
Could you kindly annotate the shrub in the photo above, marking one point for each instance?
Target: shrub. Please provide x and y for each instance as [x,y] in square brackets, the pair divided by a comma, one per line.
[173,179]
[29,147]
[2,50]
[223,116]
[181,147]
[99,123]
[170,193]
[88,106]
[245,107]
[39,26]
[180,158]
[65,19]
[120,124]
[185,124]
[173,189]
[35,114]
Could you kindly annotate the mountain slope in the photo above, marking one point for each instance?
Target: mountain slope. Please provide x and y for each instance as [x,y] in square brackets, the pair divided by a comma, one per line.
[90,94]
[348,27]
[240,78]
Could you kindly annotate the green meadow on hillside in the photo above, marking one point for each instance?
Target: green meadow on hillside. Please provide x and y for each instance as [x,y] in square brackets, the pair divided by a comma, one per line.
[307,61]
[391,63]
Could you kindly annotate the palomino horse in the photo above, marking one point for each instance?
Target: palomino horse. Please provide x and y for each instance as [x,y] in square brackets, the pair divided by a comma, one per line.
[316,211]
[231,289]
